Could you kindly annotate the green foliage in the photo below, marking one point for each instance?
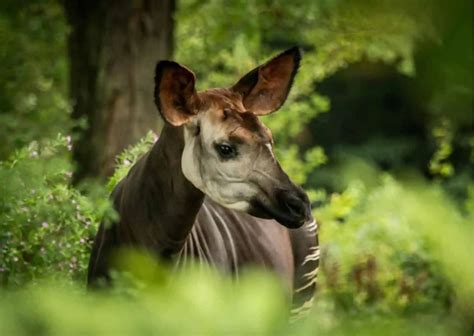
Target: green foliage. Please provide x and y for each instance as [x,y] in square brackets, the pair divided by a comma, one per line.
[33,98]
[378,255]
[150,300]
[129,157]
[439,164]
[165,309]
[46,225]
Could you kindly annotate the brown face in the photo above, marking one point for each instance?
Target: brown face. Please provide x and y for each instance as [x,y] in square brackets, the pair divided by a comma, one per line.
[228,151]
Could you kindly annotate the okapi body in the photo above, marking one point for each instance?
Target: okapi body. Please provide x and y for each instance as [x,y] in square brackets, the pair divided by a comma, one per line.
[211,189]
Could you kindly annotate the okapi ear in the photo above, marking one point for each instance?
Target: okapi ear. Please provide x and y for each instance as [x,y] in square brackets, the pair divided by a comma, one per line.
[175,94]
[265,88]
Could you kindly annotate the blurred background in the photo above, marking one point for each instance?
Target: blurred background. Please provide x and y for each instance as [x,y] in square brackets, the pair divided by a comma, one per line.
[378,129]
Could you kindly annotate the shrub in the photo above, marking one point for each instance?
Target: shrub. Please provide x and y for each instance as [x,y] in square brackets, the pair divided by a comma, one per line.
[46,225]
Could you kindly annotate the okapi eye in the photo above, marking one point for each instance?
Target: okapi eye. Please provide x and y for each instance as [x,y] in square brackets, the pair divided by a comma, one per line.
[226,151]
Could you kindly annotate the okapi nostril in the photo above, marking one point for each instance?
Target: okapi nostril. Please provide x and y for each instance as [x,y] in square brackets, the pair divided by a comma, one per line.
[295,206]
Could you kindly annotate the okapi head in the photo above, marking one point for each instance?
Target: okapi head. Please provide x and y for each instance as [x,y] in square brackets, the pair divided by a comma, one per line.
[228,152]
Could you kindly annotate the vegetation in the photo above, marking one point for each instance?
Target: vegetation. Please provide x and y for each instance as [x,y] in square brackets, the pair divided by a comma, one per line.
[392,187]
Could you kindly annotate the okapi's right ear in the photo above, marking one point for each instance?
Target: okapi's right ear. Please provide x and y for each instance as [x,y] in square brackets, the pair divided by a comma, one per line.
[265,88]
[175,94]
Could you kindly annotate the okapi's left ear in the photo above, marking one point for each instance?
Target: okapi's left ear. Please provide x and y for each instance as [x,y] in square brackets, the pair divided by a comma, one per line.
[175,94]
[265,88]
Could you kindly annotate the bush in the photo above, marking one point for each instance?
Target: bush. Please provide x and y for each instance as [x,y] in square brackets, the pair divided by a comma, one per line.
[46,225]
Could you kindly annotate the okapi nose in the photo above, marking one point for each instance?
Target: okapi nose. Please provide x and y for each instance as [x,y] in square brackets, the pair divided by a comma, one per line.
[295,205]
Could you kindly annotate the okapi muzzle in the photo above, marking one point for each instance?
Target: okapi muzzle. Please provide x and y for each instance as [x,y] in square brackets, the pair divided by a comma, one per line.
[290,207]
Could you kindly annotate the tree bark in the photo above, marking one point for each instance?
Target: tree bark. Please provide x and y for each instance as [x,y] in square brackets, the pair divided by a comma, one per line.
[113,49]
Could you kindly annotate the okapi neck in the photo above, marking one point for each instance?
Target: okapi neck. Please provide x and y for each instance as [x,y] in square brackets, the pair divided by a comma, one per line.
[171,202]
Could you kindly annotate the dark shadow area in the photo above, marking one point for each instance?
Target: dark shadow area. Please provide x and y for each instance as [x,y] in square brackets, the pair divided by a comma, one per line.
[375,113]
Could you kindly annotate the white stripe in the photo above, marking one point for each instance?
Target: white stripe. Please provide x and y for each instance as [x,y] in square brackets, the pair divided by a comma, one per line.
[198,247]
[207,252]
[312,226]
[232,246]
[312,276]
[191,245]
[210,216]
[302,311]
[312,256]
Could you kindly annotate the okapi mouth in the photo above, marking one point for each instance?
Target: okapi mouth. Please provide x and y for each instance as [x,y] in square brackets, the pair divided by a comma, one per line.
[286,217]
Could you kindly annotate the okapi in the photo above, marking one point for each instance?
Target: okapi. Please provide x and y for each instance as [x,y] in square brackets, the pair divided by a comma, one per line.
[211,188]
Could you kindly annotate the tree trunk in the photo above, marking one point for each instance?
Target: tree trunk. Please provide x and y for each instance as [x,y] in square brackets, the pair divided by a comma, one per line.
[113,50]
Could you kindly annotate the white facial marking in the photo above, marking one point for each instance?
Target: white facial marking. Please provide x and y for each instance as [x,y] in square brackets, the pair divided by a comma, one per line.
[270,149]
[224,181]
[189,164]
